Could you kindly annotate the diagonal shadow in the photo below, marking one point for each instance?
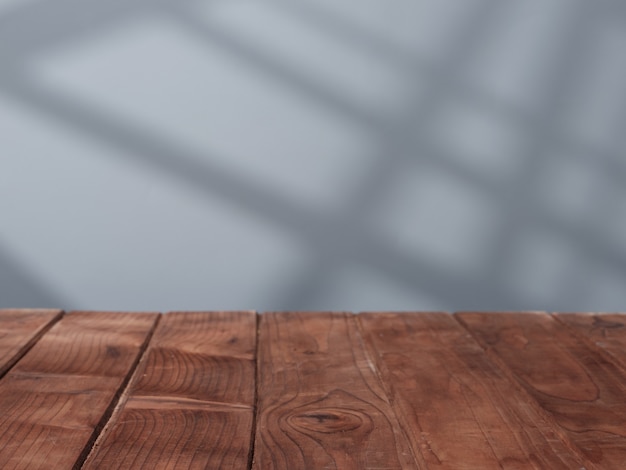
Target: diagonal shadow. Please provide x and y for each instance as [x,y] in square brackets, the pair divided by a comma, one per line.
[336,240]
[401,140]
[545,128]
[43,25]
[520,212]
[344,238]
[31,28]
[254,198]
[68,20]
[20,289]
[457,87]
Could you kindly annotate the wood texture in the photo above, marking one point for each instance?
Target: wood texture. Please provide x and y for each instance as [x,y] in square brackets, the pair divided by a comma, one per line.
[99,390]
[321,404]
[54,399]
[451,398]
[19,330]
[582,391]
[605,332]
[190,404]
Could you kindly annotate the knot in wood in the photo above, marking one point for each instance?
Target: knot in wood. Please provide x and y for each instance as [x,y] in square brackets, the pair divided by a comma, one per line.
[326,420]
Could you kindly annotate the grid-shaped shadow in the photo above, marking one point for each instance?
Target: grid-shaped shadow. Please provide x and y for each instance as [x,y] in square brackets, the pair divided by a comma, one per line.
[404,145]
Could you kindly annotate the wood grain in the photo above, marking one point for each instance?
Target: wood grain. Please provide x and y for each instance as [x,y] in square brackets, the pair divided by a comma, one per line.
[191,402]
[579,388]
[333,390]
[451,398]
[19,330]
[321,404]
[605,332]
[55,398]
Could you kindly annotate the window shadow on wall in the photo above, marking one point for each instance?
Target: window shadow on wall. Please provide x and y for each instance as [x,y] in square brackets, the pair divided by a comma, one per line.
[525,235]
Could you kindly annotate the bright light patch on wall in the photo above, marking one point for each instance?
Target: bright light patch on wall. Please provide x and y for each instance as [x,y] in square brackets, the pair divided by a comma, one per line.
[167,85]
[112,235]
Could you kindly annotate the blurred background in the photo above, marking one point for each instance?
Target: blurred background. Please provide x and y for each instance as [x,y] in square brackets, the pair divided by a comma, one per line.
[313,154]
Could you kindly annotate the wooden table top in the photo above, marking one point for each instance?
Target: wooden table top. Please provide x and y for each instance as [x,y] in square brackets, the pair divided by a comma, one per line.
[237,390]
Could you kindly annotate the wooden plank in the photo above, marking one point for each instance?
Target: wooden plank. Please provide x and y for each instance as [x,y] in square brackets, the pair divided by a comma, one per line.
[55,398]
[606,332]
[580,389]
[456,406]
[19,330]
[320,402]
[191,402]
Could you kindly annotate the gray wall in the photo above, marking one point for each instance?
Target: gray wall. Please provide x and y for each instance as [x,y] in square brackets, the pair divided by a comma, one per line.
[313,154]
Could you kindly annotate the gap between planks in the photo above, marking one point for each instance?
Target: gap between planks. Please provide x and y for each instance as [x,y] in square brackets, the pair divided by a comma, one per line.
[580,389]
[100,429]
[373,362]
[255,407]
[57,394]
[21,351]
[213,387]
[509,373]
[612,353]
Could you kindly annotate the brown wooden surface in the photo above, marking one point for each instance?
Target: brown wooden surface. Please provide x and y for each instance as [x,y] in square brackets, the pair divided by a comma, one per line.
[451,398]
[19,330]
[191,402]
[321,404]
[604,332]
[312,390]
[54,398]
[583,392]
